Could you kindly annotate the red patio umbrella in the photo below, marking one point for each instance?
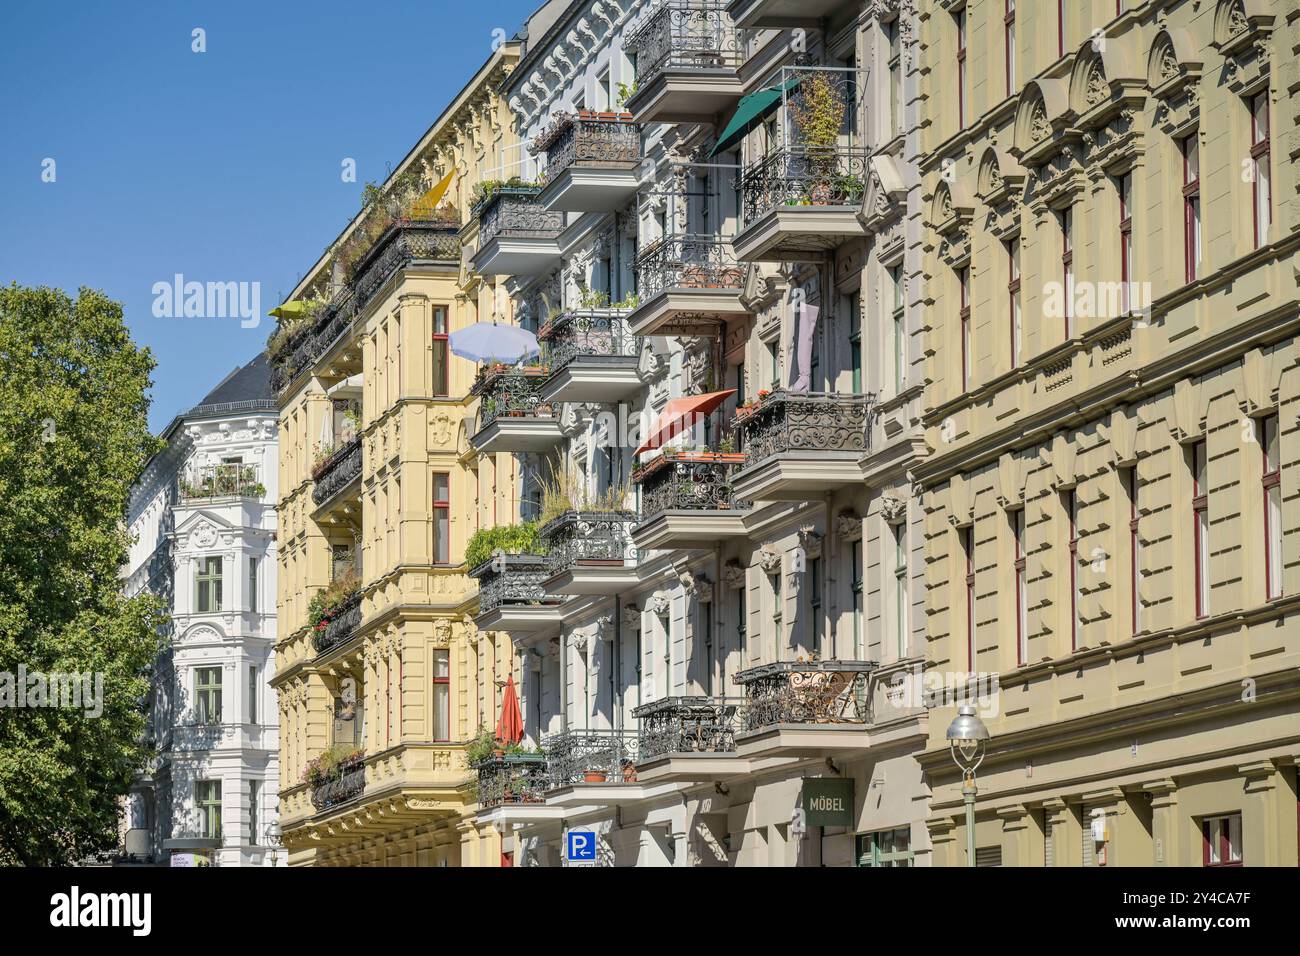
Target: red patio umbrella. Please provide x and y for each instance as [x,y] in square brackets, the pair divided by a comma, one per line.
[510,728]
[678,414]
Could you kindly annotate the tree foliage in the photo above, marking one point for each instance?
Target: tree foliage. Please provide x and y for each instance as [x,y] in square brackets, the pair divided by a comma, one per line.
[73,438]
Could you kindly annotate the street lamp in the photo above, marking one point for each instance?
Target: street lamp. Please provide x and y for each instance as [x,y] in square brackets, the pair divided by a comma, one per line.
[968,738]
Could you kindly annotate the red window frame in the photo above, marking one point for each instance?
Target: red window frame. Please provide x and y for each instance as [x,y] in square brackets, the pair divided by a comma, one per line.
[1272,478]
[960,18]
[1009,44]
[441,353]
[1067,265]
[441,514]
[1018,534]
[1225,843]
[968,545]
[1260,158]
[1013,298]
[1134,545]
[1124,185]
[446,703]
[1191,150]
[963,297]
[1060,28]
[1200,507]
[1072,516]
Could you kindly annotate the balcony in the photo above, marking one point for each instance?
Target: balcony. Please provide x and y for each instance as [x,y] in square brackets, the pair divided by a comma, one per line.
[798,445]
[804,707]
[511,779]
[591,765]
[337,474]
[800,203]
[221,481]
[592,162]
[512,596]
[686,54]
[343,783]
[688,738]
[687,285]
[687,501]
[590,552]
[339,626]
[591,356]
[512,417]
[407,243]
[517,236]
[779,14]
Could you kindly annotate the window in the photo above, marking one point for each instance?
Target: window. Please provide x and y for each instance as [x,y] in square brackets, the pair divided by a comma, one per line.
[774,365]
[963,301]
[1221,838]
[1262,206]
[1013,298]
[1272,463]
[741,626]
[814,580]
[441,518]
[1067,266]
[1200,527]
[885,848]
[254,811]
[968,546]
[1060,27]
[207,800]
[207,695]
[252,584]
[855,340]
[1009,34]
[441,696]
[855,589]
[1070,501]
[1022,588]
[1191,208]
[960,18]
[440,347]
[1124,190]
[774,583]
[899,532]
[208,579]
[895,78]
[900,334]
[252,693]
[1134,548]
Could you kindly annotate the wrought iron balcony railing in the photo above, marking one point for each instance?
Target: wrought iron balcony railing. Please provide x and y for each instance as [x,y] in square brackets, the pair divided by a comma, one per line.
[803,421]
[513,212]
[337,472]
[341,626]
[512,580]
[687,262]
[805,692]
[803,176]
[592,537]
[688,481]
[600,141]
[511,778]
[222,481]
[683,35]
[346,782]
[591,756]
[678,725]
[510,393]
[597,334]
[405,242]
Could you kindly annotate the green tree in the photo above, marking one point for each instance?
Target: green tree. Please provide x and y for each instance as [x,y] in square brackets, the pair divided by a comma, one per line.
[73,437]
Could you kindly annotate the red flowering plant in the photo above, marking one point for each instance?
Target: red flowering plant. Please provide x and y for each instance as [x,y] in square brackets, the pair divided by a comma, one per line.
[325,601]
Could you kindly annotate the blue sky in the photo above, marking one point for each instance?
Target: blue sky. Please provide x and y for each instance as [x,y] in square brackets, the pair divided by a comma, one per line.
[224,165]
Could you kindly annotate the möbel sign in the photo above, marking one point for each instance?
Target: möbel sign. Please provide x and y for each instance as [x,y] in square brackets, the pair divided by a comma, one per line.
[828,801]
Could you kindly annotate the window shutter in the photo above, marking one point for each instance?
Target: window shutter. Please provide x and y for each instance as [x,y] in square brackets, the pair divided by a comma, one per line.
[988,856]
[1089,848]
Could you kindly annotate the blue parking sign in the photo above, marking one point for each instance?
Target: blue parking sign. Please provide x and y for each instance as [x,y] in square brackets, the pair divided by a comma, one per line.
[580,846]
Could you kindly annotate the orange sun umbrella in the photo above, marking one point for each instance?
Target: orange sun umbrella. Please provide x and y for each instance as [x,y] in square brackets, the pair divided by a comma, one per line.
[510,728]
[679,414]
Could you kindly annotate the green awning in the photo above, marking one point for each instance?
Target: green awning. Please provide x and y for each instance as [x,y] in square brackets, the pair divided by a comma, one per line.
[290,310]
[749,113]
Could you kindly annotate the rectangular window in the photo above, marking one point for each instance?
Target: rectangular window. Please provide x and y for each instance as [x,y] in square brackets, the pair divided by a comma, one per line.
[207,695]
[252,584]
[441,386]
[1009,34]
[855,587]
[254,811]
[1271,450]
[1200,526]
[1134,548]
[963,301]
[441,696]
[900,588]
[1022,588]
[1060,28]
[968,547]
[207,800]
[252,693]
[1013,299]
[960,18]
[1221,840]
[1191,209]
[742,626]
[774,585]
[895,78]
[1262,206]
[814,580]
[1067,267]
[441,518]
[1070,502]
[900,334]
[885,848]
[208,580]
[1124,189]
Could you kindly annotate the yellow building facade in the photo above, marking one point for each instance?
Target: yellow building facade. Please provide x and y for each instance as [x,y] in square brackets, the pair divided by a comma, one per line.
[382,677]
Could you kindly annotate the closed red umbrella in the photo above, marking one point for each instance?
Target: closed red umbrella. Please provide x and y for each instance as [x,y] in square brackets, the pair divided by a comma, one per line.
[510,728]
[679,414]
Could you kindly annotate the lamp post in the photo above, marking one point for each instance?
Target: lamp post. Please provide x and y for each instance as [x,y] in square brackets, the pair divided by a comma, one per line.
[968,738]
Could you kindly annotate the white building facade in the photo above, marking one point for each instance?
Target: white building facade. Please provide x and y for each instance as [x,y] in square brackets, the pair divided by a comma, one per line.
[202,521]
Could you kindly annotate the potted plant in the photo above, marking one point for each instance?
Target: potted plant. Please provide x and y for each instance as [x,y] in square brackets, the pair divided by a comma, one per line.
[594,775]
[818,110]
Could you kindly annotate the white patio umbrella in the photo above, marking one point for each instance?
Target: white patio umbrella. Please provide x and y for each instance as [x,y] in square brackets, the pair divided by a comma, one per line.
[489,342]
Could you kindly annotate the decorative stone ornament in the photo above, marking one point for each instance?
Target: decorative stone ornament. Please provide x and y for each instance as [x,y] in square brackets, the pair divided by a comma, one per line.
[769,559]
[733,574]
[893,508]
